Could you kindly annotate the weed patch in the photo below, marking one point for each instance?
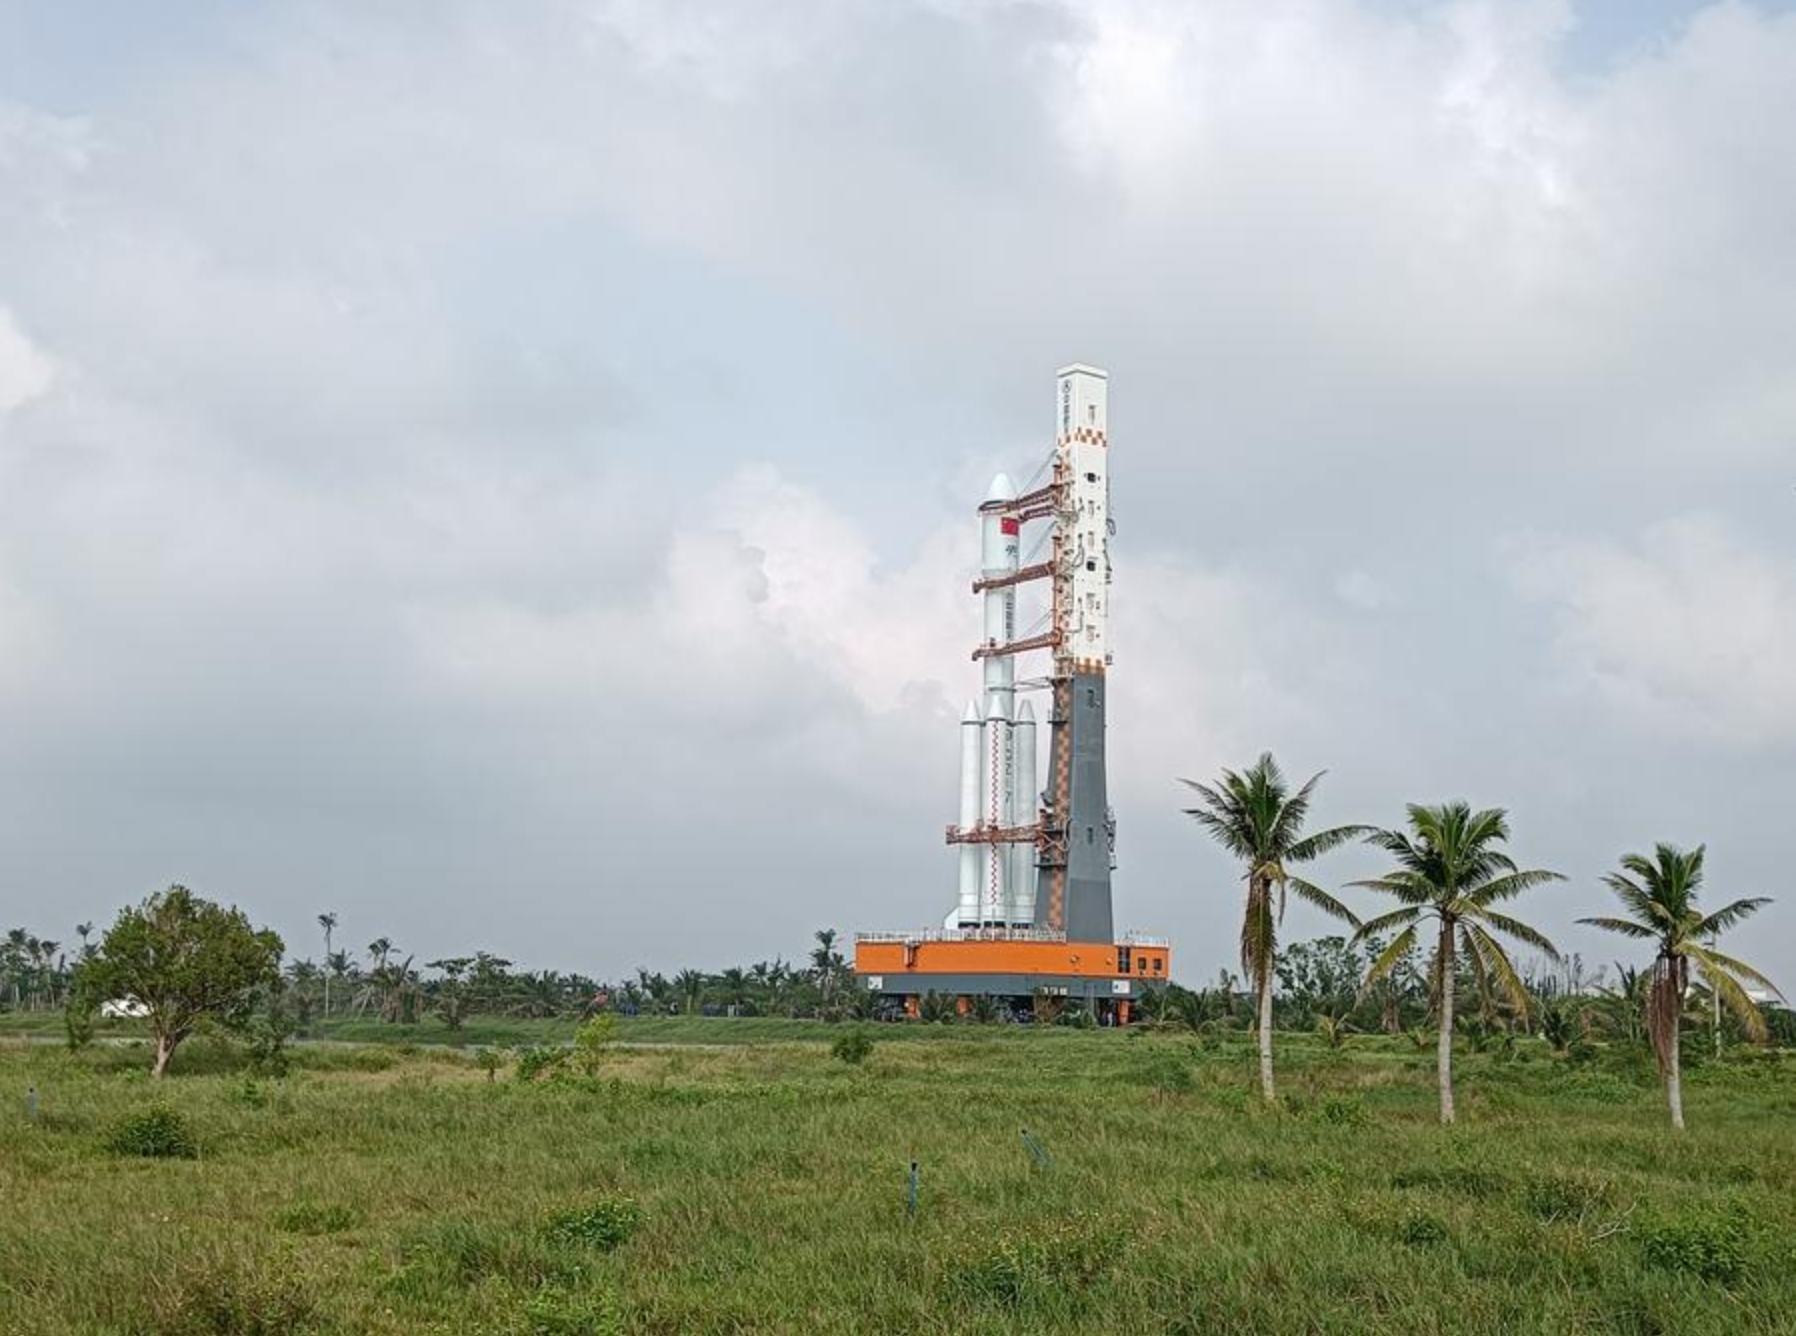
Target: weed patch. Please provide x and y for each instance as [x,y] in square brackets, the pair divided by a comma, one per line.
[158,1133]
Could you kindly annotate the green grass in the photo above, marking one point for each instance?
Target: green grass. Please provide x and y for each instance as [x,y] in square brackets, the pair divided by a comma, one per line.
[761,1187]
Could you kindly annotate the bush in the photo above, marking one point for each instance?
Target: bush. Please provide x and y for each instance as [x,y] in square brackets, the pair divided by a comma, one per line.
[1706,1243]
[604,1225]
[852,1048]
[591,1040]
[313,1219]
[541,1061]
[156,1133]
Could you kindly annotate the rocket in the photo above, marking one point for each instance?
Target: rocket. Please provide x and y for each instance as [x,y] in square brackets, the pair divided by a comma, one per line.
[997,772]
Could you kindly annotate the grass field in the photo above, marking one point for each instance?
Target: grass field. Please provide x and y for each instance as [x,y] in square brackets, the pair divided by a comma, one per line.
[754,1184]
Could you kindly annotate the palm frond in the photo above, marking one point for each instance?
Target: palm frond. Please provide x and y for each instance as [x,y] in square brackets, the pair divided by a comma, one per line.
[1728,915]
[1520,931]
[1626,927]
[1320,898]
[1314,846]
[1712,959]
[1501,968]
[1507,887]
[1745,1010]
[1388,959]
[1385,922]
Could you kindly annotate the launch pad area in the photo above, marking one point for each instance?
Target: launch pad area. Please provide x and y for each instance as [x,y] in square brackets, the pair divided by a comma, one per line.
[1017,966]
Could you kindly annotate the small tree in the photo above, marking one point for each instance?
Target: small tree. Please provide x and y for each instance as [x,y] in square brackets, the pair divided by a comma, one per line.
[591,1040]
[186,960]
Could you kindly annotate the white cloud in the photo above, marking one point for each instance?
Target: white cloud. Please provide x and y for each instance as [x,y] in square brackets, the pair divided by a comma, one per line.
[1686,629]
[26,372]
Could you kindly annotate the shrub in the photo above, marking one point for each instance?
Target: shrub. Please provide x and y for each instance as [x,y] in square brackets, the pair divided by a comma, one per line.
[313,1218]
[604,1224]
[489,1060]
[1706,1243]
[852,1048]
[591,1040]
[156,1133]
[541,1061]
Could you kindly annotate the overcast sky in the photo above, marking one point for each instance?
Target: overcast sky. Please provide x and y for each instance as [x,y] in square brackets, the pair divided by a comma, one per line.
[504,473]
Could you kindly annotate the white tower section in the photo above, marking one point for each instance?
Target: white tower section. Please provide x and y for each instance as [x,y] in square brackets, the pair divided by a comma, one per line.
[1083,588]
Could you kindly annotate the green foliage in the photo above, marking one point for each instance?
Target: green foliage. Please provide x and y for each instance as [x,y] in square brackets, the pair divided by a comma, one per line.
[267,1033]
[937,1009]
[590,1042]
[489,1061]
[853,1048]
[1703,1242]
[557,1312]
[603,1224]
[541,1061]
[188,961]
[77,1022]
[316,1218]
[158,1132]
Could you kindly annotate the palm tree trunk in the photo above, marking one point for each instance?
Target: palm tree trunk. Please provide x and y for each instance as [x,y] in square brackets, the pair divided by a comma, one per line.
[1444,1051]
[1266,1088]
[1674,1082]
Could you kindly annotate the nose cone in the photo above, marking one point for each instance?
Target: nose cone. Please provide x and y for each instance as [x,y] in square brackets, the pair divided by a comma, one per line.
[1025,713]
[972,713]
[1002,489]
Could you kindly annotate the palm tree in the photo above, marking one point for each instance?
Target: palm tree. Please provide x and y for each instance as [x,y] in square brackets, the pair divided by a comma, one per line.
[1255,817]
[329,923]
[1660,895]
[1448,869]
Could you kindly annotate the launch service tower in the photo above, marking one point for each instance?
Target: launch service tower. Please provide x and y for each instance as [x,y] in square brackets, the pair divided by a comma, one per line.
[1033,917]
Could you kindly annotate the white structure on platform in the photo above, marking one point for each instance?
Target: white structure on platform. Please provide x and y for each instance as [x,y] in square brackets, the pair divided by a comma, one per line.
[1001,827]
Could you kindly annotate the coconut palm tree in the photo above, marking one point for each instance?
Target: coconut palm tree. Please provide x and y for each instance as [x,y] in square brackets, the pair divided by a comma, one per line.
[1660,895]
[329,923]
[1450,870]
[1255,816]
